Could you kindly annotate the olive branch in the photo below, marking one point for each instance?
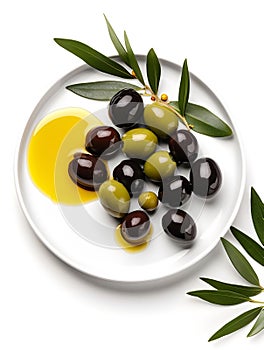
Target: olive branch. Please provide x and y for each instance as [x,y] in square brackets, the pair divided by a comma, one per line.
[193,116]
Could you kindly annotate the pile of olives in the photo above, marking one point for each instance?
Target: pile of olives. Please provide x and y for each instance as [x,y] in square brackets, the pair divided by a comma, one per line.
[145,129]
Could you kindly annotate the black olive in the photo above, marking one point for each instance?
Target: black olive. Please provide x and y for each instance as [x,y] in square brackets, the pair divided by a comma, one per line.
[183,146]
[126,108]
[205,177]
[131,175]
[87,171]
[135,227]
[174,191]
[180,226]
[103,141]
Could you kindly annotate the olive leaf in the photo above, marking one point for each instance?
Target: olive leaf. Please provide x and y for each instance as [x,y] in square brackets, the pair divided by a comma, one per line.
[184,88]
[132,60]
[251,247]
[153,70]
[244,290]
[100,90]
[94,58]
[117,43]
[240,262]
[258,326]
[203,121]
[237,323]
[257,212]
[220,297]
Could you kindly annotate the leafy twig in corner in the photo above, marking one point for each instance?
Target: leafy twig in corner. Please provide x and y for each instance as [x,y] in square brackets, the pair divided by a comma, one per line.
[231,294]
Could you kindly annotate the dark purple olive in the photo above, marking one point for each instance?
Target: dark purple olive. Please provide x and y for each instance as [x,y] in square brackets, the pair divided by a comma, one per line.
[131,175]
[126,108]
[180,226]
[103,141]
[174,191]
[183,146]
[135,227]
[205,177]
[87,171]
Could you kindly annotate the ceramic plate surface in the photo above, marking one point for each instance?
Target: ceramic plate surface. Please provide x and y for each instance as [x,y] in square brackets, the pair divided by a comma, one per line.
[83,235]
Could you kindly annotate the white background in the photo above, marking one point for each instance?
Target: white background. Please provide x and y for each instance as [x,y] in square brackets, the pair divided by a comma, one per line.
[44,304]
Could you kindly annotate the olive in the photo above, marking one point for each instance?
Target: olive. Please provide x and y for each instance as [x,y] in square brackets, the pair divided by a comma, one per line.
[126,108]
[159,166]
[131,175]
[115,198]
[139,143]
[180,226]
[205,177]
[160,119]
[148,201]
[135,227]
[175,191]
[87,171]
[103,141]
[183,146]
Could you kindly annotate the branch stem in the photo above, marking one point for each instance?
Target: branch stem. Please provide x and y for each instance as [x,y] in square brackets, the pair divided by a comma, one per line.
[166,103]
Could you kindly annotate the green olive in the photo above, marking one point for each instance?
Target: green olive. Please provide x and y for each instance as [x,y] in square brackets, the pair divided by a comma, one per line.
[139,143]
[115,198]
[148,201]
[159,166]
[160,119]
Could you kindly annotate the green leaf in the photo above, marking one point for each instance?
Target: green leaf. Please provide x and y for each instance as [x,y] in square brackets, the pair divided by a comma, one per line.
[94,58]
[133,61]
[220,297]
[244,290]
[204,121]
[100,90]
[257,212]
[153,70]
[240,262]
[184,88]
[258,326]
[117,43]
[251,247]
[237,323]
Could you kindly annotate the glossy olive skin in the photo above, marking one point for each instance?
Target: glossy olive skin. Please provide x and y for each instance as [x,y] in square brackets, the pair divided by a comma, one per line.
[159,166]
[180,226]
[148,201]
[87,171]
[135,227]
[131,175]
[139,143]
[205,177]
[103,141]
[115,198]
[183,146]
[175,191]
[160,119]
[126,108]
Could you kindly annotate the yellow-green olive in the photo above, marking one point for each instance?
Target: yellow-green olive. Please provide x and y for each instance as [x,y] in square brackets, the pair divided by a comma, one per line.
[148,201]
[159,166]
[160,119]
[139,143]
[115,198]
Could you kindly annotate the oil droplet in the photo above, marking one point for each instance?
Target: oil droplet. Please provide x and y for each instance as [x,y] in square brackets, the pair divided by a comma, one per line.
[51,147]
[129,247]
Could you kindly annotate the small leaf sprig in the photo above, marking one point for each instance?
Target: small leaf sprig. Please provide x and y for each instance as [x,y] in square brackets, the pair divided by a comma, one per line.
[232,294]
[193,116]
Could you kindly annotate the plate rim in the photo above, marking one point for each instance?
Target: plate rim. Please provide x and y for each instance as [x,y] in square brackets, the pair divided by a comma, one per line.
[64,257]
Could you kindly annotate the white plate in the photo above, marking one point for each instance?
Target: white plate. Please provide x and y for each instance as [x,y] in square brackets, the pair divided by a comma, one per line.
[83,236]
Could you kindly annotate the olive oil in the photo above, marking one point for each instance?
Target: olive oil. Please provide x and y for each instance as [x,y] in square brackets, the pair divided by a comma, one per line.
[129,248]
[51,148]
